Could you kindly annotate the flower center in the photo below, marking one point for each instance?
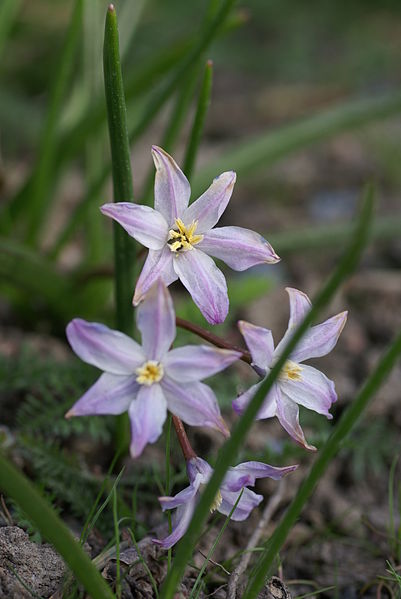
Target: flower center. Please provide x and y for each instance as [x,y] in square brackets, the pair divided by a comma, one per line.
[291,371]
[149,373]
[183,238]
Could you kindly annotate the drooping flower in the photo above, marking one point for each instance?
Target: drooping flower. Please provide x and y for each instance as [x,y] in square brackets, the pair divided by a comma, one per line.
[236,481]
[297,383]
[148,379]
[182,238]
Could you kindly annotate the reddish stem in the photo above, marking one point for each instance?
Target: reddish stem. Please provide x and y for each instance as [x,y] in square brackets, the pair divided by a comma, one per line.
[183,439]
[214,339]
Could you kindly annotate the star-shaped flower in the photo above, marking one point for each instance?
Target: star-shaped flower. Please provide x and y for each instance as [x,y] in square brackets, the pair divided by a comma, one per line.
[181,238]
[149,379]
[236,481]
[297,383]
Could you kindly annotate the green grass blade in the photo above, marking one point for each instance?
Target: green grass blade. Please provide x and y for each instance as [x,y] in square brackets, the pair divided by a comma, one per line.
[38,202]
[21,490]
[230,449]
[121,169]
[264,150]
[199,120]
[8,13]
[330,449]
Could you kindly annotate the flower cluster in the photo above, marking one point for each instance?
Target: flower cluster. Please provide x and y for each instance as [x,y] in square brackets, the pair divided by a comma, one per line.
[150,379]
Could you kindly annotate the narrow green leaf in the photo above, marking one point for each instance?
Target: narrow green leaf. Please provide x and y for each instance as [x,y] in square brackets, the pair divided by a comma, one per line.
[199,120]
[38,201]
[8,13]
[23,492]
[264,150]
[121,170]
[327,453]
[230,449]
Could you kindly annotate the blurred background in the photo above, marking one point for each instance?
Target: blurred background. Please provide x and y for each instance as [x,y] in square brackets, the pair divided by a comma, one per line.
[305,106]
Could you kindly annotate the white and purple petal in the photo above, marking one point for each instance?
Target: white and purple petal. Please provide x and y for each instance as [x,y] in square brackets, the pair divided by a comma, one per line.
[109,350]
[172,190]
[158,265]
[156,321]
[195,404]
[147,415]
[249,500]
[288,415]
[209,207]
[239,248]
[196,362]
[205,282]
[313,390]
[245,474]
[111,394]
[259,342]
[187,494]
[181,521]
[143,223]
[269,406]
[320,339]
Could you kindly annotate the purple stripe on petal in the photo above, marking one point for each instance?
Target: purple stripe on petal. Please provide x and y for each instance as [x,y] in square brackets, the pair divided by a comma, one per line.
[156,321]
[321,339]
[111,394]
[209,207]
[238,247]
[147,415]
[288,415]
[313,390]
[143,223]
[249,500]
[205,282]
[259,342]
[104,348]
[172,190]
[196,362]
[245,474]
[158,265]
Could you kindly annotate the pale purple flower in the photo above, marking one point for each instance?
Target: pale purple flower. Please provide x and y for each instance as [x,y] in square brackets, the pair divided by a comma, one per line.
[149,379]
[181,238]
[297,383]
[236,481]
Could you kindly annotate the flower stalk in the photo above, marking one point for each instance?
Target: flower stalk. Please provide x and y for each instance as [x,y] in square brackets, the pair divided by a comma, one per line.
[183,440]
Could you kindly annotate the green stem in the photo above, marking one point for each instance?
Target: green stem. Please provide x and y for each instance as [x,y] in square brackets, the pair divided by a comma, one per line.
[330,449]
[199,120]
[124,250]
[230,449]
[19,488]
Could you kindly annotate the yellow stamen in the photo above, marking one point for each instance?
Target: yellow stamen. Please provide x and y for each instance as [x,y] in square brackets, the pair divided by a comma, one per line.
[291,371]
[149,373]
[184,239]
[216,503]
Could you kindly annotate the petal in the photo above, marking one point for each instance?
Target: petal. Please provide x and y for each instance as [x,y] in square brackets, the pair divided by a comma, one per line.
[195,404]
[300,305]
[158,265]
[320,339]
[199,471]
[143,223]
[313,391]
[182,519]
[147,415]
[245,474]
[205,282]
[268,409]
[172,189]
[156,321]
[111,394]
[249,500]
[104,348]
[288,415]
[196,362]
[187,494]
[238,247]
[259,342]
[208,208]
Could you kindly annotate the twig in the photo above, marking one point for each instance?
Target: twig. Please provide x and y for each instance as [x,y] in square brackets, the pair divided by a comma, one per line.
[213,339]
[183,439]
[268,512]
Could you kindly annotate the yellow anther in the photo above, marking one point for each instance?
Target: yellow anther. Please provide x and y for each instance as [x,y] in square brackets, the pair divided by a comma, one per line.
[291,371]
[184,239]
[216,503]
[149,373]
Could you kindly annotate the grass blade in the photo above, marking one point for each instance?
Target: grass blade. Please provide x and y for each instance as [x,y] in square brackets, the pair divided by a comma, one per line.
[199,120]
[21,490]
[330,449]
[8,13]
[38,203]
[230,449]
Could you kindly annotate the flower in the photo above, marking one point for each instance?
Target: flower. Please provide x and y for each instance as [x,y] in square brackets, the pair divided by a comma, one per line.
[236,481]
[181,237]
[149,379]
[296,384]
